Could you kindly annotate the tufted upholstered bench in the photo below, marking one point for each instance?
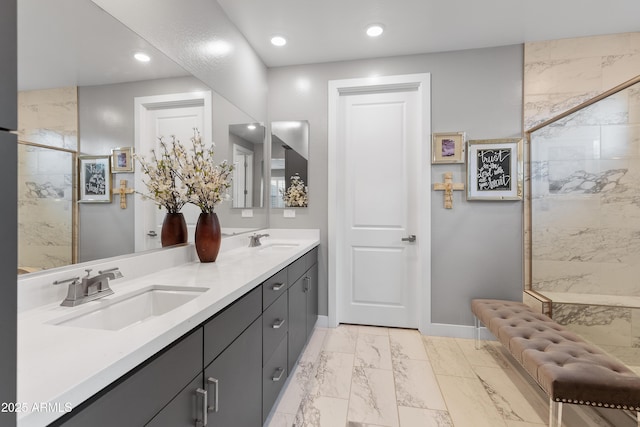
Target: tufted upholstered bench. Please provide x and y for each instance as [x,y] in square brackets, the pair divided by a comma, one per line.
[566,367]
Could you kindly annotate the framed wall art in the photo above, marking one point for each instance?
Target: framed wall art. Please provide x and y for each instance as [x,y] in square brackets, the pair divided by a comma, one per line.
[494,169]
[94,175]
[448,147]
[122,159]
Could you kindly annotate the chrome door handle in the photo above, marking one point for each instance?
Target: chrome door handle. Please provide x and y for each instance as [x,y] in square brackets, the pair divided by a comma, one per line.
[411,238]
[152,234]
[202,422]
[213,381]
[277,377]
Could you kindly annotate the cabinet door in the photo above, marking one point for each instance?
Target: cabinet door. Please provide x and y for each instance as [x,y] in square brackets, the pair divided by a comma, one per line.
[234,382]
[312,298]
[297,320]
[137,398]
[184,409]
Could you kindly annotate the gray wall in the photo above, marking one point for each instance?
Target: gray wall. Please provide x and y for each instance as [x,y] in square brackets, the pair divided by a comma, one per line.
[477,246]
[182,32]
[8,210]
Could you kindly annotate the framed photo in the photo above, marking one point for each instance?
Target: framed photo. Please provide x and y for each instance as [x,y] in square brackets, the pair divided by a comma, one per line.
[494,169]
[122,159]
[448,147]
[95,179]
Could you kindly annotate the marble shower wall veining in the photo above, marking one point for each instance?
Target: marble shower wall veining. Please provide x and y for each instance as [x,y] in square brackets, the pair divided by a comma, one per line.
[585,185]
[45,177]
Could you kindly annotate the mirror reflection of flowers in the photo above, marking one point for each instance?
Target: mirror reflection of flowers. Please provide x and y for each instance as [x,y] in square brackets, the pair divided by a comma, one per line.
[296,194]
[207,183]
[162,173]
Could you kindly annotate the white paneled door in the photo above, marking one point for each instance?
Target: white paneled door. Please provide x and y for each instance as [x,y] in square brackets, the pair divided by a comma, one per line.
[378,137]
[164,116]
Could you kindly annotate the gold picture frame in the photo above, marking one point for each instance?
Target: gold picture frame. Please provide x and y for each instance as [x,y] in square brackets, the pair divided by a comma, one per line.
[448,147]
[122,160]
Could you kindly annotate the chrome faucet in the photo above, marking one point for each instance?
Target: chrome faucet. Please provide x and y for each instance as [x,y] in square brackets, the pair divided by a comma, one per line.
[89,288]
[255,240]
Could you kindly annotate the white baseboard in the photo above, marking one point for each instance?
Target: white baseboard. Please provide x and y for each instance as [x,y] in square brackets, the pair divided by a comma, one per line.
[322,322]
[456,331]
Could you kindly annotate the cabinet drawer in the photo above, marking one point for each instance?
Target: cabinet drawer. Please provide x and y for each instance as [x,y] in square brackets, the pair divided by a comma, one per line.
[273,287]
[136,399]
[275,324]
[296,269]
[274,375]
[226,326]
[311,258]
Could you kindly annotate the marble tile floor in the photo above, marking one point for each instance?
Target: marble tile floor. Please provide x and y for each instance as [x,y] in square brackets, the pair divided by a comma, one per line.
[361,376]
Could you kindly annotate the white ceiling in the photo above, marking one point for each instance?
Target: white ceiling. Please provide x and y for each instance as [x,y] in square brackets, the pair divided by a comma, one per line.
[333,30]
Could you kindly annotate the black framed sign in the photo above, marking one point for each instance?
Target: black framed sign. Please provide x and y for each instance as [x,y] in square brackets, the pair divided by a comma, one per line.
[494,169]
[94,175]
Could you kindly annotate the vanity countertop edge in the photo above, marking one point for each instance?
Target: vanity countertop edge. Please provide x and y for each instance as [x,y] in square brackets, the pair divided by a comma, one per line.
[60,366]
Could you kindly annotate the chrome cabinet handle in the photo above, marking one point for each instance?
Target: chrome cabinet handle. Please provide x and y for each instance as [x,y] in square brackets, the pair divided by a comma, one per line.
[278,324]
[277,287]
[307,286]
[213,381]
[411,238]
[202,422]
[278,376]
[152,234]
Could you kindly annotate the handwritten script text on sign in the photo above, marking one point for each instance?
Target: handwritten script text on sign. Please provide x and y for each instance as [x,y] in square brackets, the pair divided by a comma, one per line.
[95,179]
[494,170]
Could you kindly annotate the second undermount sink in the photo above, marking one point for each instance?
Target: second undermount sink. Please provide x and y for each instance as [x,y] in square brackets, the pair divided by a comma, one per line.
[130,309]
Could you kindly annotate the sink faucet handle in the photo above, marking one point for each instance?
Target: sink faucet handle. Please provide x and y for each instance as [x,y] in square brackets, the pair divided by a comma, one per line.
[88,270]
[72,279]
[115,270]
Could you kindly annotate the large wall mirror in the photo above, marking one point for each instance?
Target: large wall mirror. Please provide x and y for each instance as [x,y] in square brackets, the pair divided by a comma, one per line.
[289,164]
[78,83]
[246,143]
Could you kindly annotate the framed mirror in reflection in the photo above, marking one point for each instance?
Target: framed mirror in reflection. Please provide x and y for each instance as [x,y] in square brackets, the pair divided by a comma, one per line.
[84,77]
[289,164]
[246,144]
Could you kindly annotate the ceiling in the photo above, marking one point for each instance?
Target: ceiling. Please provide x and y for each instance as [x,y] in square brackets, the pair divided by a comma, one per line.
[334,30]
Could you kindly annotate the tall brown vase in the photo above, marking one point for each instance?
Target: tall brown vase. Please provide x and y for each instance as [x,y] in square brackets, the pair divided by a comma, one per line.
[174,230]
[208,237]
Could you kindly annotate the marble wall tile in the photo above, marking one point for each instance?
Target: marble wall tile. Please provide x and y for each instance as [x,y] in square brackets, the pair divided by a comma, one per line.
[539,108]
[447,358]
[407,344]
[619,68]
[635,332]
[468,402]
[594,46]
[373,398]
[49,117]
[373,351]
[598,324]
[634,105]
[622,141]
[563,75]
[566,276]
[417,417]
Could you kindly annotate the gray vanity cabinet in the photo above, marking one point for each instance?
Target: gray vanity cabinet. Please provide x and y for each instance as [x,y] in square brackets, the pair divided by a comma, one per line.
[303,303]
[234,382]
[134,400]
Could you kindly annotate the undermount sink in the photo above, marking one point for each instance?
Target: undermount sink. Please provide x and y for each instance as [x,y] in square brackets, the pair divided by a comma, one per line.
[277,245]
[131,309]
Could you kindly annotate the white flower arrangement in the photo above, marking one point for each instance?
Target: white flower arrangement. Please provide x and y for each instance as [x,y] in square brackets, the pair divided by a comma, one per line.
[180,176]
[296,194]
[162,172]
[207,183]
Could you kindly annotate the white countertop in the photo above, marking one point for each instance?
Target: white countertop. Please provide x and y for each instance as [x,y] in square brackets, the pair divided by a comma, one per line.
[64,365]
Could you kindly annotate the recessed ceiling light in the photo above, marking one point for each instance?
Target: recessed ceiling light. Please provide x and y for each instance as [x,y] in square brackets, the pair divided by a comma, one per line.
[142,57]
[278,41]
[375,30]
[251,127]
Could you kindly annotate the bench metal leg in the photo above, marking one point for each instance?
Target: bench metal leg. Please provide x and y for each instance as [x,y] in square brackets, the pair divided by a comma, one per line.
[555,413]
[638,419]
[476,332]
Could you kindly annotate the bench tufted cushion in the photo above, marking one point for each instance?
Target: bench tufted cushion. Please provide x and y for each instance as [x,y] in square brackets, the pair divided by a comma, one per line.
[566,367]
